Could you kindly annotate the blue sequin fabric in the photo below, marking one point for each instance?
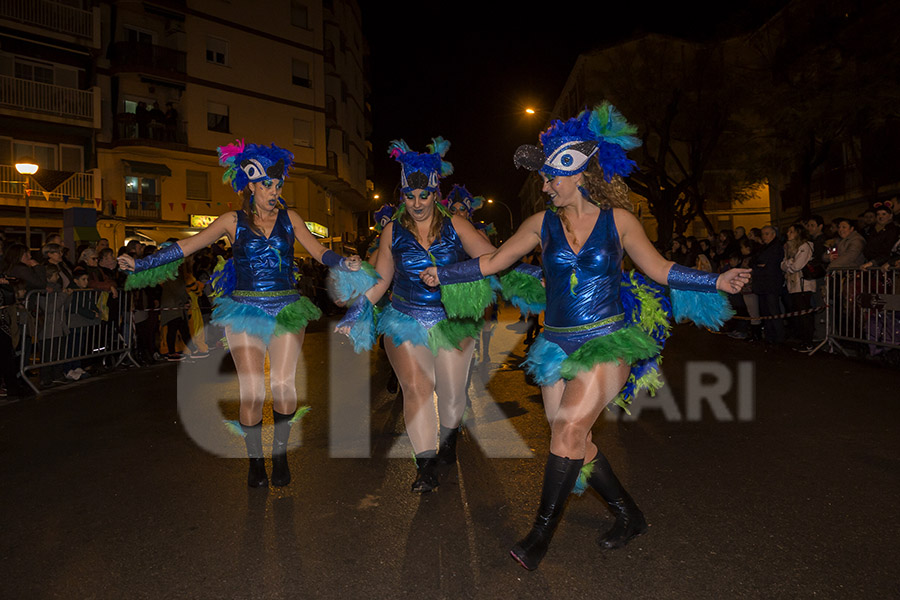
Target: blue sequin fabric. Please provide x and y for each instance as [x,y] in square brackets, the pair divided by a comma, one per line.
[264,266]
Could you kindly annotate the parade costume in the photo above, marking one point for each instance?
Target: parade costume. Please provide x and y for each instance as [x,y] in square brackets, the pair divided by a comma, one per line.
[425,333]
[256,300]
[594,313]
[256,292]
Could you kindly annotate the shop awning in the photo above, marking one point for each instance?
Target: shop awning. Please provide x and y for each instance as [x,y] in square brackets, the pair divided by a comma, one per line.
[137,167]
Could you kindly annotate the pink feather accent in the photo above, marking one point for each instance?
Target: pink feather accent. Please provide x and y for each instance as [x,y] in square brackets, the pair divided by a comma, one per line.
[227,153]
[396,152]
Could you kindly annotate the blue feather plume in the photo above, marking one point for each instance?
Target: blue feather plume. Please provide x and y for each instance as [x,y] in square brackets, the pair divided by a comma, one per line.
[705,309]
[401,328]
[344,286]
[544,360]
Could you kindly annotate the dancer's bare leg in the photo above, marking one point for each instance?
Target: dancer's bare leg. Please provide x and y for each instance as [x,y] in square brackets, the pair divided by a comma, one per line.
[451,369]
[249,355]
[284,353]
[414,366]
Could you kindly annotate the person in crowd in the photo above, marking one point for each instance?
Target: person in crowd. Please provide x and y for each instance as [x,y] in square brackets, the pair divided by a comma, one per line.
[798,252]
[739,233]
[768,282]
[704,260]
[746,298]
[755,235]
[18,264]
[596,346]
[257,301]
[54,327]
[726,247]
[175,304]
[52,253]
[850,248]
[883,236]
[866,222]
[429,350]
[16,389]
[102,243]
[83,314]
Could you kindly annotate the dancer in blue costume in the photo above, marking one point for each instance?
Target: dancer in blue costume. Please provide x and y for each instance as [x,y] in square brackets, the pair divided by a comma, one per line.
[257,301]
[429,351]
[460,202]
[596,336]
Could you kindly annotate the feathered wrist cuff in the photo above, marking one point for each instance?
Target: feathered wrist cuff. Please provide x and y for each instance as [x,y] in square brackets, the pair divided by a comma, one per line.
[334,260]
[683,278]
[461,272]
[168,254]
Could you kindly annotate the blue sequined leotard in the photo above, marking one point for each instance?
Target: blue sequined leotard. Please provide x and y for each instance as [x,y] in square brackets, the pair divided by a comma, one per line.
[264,301]
[582,288]
[595,313]
[416,314]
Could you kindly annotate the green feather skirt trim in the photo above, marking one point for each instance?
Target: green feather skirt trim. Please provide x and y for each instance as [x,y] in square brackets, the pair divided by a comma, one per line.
[154,276]
[449,333]
[467,300]
[296,315]
[625,345]
[524,291]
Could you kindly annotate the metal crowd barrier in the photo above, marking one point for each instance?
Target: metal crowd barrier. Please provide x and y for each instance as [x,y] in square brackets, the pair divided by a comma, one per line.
[862,306]
[54,333]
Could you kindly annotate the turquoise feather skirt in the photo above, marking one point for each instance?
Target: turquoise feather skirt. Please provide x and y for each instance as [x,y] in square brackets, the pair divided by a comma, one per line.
[264,318]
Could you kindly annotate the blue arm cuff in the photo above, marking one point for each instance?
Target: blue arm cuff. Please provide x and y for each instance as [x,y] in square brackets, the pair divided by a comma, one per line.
[531,270]
[683,278]
[157,259]
[461,272]
[334,260]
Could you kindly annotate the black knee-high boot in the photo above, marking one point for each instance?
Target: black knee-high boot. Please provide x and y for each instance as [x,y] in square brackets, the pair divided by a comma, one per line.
[559,479]
[630,521]
[447,451]
[426,472]
[281,472]
[256,476]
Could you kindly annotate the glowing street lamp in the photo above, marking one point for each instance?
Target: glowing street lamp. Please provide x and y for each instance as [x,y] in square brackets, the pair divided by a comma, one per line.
[512,227]
[376,196]
[27,166]
[529,110]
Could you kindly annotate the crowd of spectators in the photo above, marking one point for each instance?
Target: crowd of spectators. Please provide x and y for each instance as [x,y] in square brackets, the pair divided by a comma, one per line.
[789,268]
[171,320]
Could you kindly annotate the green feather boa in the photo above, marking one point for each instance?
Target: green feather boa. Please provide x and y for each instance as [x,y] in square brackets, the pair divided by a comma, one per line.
[295,316]
[629,345]
[449,333]
[154,276]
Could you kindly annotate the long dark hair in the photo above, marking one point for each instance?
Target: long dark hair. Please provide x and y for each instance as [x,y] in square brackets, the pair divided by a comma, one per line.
[12,257]
[247,207]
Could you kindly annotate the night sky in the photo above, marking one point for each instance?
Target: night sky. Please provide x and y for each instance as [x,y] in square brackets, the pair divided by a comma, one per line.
[455,70]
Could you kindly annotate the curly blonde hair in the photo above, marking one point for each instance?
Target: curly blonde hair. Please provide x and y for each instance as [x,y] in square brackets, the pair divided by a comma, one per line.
[606,194]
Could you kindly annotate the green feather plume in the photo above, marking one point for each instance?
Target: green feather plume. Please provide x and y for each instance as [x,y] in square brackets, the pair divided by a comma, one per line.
[625,345]
[154,276]
[296,315]
[301,411]
[467,300]
[235,428]
[449,333]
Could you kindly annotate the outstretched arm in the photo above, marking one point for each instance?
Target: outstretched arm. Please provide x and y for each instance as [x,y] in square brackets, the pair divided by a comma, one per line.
[224,225]
[651,262]
[384,265]
[523,241]
[312,245]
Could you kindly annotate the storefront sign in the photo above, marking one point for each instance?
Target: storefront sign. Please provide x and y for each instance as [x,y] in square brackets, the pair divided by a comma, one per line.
[316,229]
[202,220]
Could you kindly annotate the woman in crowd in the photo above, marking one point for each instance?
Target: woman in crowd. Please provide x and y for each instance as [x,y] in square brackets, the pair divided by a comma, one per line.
[258,304]
[429,350]
[19,265]
[599,343]
[53,255]
[798,251]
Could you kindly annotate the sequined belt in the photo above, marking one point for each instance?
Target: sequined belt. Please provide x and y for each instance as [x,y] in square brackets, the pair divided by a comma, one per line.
[268,294]
[586,326]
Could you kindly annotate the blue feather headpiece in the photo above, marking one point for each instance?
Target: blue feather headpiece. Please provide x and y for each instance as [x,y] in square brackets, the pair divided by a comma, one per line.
[383,216]
[247,163]
[460,195]
[569,146]
[421,171]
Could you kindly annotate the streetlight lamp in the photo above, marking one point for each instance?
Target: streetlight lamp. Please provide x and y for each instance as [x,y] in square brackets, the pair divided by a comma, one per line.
[27,166]
[512,227]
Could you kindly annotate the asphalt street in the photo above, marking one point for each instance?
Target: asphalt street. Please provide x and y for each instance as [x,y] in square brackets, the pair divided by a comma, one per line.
[762,473]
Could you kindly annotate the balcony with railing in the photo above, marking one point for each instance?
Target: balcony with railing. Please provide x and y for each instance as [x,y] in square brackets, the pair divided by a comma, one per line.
[148,58]
[56,100]
[55,16]
[142,206]
[132,131]
[77,189]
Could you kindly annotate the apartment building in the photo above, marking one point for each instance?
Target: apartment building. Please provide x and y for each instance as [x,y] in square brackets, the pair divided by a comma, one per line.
[171,80]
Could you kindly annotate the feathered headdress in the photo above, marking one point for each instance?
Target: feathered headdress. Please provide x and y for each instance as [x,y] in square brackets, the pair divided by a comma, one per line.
[421,171]
[460,195]
[568,147]
[246,163]
[383,215]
